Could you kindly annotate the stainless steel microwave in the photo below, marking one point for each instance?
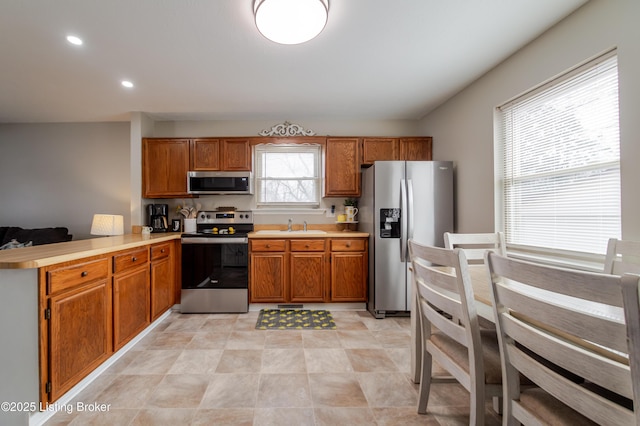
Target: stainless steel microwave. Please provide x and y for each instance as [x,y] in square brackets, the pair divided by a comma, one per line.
[220,183]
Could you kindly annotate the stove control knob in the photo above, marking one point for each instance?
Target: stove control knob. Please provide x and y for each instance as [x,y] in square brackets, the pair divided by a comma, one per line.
[208,216]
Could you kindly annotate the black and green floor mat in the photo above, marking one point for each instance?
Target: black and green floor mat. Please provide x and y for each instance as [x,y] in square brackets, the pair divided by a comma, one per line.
[295,319]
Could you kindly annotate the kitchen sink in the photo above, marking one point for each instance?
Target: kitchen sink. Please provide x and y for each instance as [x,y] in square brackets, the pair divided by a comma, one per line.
[285,232]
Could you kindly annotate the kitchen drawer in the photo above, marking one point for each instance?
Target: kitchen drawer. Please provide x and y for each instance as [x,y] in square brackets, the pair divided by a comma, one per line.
[307,245]
[344,244]
[130,259]
[70,276]
[268,245]
[159,251]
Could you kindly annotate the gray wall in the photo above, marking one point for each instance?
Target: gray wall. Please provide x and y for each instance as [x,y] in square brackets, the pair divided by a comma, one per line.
[61,174]
[462,128]
[252,128]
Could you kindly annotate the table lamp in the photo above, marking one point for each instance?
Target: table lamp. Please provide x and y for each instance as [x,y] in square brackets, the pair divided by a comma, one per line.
[107,224]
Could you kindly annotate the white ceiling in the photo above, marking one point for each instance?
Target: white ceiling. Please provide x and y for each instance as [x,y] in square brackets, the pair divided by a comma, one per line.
[204,59]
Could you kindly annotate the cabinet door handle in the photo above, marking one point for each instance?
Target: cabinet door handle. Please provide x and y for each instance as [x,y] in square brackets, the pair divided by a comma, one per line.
[84,274]
[133,259]
[306,245]
[348,244]
[268,246]
[162,251]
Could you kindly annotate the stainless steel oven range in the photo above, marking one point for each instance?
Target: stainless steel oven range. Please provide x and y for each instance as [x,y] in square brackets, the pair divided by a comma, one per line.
[215,259]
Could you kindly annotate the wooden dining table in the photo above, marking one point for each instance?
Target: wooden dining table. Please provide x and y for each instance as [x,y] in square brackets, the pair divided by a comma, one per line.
[481,284]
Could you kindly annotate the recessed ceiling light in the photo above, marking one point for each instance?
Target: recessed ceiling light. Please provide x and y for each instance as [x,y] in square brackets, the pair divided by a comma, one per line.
[127,84]
[74,40]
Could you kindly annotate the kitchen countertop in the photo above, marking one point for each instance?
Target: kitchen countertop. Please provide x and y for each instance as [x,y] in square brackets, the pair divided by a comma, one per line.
[50,254]
[299,234]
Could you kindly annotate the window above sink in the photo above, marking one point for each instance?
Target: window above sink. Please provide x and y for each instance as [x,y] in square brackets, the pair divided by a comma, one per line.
[288,175]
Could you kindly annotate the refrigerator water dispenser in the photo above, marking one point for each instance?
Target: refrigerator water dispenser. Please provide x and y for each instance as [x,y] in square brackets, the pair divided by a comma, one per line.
[390,223]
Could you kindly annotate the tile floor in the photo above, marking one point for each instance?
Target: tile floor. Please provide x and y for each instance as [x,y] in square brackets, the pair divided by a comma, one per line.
[216,369]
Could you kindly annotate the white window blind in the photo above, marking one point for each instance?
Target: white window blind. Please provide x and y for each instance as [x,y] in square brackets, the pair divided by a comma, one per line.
[561,163]
[288,175]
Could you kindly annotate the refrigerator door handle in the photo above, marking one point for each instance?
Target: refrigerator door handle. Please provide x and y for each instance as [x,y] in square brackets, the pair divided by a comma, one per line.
[410,212]
[403,224]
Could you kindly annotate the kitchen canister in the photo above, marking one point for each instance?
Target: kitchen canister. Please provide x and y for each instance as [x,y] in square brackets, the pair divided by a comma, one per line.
[189,226]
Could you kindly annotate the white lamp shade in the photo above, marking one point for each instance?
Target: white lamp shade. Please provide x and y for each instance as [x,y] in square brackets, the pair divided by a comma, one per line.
[290,21]
[107,224]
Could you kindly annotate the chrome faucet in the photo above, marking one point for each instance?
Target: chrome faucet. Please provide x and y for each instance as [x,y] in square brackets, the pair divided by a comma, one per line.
[305,226]
[289,225]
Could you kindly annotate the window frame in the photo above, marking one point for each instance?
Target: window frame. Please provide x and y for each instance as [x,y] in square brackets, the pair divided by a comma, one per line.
[315,148]
[560,255]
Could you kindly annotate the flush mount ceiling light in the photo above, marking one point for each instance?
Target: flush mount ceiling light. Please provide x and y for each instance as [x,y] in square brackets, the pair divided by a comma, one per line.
[74,40]
[290,21]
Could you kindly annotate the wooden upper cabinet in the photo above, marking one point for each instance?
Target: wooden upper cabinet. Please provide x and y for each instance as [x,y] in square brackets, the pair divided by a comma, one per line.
[415,149]
[379,149]
[386,149]
[342,168]
[205,154]
[236,154]
[213,154]
[165,163]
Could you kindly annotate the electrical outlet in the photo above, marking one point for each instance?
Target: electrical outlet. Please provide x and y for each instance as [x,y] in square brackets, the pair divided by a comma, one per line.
[331,212]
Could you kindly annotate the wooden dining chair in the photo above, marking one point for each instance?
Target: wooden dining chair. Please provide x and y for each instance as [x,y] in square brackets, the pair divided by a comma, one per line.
[443,290]
[553,320]
[623,256]
[474,245]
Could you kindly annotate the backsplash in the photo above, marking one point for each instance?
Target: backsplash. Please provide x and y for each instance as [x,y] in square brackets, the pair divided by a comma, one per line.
[261,215]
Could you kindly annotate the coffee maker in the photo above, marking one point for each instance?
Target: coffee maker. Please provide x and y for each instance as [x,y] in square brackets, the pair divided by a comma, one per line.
[157,217]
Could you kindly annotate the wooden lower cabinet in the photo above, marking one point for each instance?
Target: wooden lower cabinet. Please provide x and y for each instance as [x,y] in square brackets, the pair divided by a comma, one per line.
[131,295]
[162,279]
[308,263]
[268,271]
[349,265]
[130,305]
[94,306]
[268,283]
[348,277]
[299,271]
[80,334]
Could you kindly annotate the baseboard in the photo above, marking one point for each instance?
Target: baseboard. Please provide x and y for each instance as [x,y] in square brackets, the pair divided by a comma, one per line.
[255,307]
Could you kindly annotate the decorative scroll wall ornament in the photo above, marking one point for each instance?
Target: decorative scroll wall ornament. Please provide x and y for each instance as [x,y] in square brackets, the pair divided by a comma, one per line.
[287,129]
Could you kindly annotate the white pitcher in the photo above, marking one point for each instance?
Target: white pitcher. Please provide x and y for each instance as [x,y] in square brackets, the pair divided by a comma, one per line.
[351,213]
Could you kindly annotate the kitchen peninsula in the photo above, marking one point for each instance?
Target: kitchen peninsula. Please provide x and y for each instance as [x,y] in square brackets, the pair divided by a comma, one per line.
[68,307]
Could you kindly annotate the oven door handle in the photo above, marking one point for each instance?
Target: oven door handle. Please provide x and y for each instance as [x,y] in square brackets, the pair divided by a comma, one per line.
[214,240]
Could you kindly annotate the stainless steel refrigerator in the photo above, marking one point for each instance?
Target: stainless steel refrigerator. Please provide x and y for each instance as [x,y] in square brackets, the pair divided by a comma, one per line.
[402,200]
